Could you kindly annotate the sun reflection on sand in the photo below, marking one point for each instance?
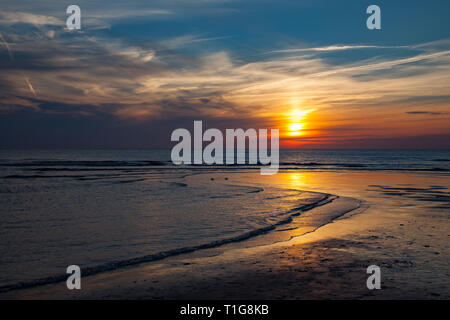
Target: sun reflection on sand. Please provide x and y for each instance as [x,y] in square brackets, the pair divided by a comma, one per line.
[296,179]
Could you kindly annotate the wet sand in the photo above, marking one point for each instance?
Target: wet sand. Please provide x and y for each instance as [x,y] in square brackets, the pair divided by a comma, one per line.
[401,225]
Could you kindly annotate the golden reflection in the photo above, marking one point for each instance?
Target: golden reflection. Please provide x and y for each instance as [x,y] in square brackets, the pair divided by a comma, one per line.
[296,179]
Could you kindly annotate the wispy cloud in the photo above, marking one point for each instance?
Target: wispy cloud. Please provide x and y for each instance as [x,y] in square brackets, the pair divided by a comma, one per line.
[30,86]
[11,56]
[125,13]
[140,80]
[334,48]
[13,17]
[427,113]
[186,40]
[388,64]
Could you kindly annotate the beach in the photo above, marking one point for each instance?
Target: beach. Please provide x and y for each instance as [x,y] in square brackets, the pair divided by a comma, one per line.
[395,220]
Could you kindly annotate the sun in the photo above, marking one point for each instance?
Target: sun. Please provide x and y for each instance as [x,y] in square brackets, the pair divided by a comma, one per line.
[294,129]
[297,121]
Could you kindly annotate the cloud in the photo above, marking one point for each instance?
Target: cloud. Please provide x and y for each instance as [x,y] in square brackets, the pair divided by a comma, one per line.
[125,13]
[11,56]
[30,86]
[138,53]
[14,17]
[147,77]
[146,81]
[426,112]
[106,17]
[50,33]
[92,18]
[186,40]
[334,48]
[388,64]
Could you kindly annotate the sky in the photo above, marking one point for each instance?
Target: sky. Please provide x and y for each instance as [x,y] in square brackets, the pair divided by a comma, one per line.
[137,70]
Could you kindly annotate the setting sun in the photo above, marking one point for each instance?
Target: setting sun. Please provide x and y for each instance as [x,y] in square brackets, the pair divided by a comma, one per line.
[295,129]
[297,121]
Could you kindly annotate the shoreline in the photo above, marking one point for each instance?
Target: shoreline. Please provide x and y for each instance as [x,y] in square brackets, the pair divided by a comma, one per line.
[330,263]
[171,266]
[136,261]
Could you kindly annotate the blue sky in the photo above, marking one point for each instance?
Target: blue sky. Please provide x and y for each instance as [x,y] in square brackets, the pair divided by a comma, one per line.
[140,69]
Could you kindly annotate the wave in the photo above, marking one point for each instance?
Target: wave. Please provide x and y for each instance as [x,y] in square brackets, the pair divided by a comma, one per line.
[80,177]
[85,163]
[88,165]
[114,265]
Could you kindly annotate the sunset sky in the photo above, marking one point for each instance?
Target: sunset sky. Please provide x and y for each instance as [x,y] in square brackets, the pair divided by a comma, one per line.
[137,70]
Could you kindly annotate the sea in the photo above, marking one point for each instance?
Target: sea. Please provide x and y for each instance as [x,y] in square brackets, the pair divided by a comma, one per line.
[108,209]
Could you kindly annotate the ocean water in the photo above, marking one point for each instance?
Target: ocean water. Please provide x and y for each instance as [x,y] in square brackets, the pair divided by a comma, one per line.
[103,209]
[71,160]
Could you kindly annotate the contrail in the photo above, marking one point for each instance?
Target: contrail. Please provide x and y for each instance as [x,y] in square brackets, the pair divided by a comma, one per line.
[30,86]
[7,47]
